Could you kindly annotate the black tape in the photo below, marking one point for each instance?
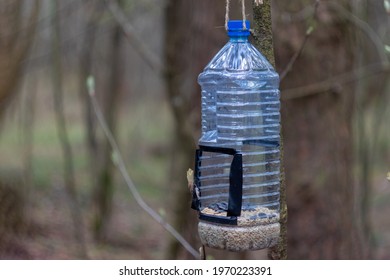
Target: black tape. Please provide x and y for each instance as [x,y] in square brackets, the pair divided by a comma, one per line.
[218,219]
[235,185]
[220,150]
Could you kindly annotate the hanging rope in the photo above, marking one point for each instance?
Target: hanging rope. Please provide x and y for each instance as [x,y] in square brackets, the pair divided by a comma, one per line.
[227,14]
[257,2]
[243,14]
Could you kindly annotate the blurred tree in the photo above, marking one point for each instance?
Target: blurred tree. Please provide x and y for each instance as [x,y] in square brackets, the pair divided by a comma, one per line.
[69,175]
[16,37]
[108,91]
[13,215]
[317,129]
[93,11]
[191,39]
[372,92]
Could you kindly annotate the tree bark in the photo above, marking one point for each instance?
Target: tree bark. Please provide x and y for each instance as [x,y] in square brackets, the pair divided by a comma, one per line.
[264,42]
[317,133]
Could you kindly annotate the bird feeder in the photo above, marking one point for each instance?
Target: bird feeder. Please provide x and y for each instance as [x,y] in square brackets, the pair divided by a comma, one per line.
[237,165]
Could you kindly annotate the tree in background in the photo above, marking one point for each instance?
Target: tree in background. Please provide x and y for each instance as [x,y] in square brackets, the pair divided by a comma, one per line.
[371,106]
[318,96]
[315,45]
[16,37]
[335,81]
[190,41]
[104,189]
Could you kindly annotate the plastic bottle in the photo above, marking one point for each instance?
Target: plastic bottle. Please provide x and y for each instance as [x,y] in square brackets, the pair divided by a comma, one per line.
[240,113]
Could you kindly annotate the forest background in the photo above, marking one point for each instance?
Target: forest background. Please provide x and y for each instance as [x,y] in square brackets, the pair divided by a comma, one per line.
[61,195]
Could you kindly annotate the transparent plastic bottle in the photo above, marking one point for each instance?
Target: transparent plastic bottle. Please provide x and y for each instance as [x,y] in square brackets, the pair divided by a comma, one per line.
[240,112]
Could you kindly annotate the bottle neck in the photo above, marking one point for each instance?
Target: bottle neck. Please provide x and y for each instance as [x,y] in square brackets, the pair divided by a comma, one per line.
[238,39]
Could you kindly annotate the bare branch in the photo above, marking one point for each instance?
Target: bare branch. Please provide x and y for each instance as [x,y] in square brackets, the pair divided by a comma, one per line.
[143,50]
[300,50]
[344,78]
[294,58]
[119,162]
[365,27]
[335,81]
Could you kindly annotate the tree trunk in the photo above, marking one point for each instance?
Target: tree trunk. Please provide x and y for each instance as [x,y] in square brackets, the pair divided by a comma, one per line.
[69,176]
[15,41]
[317,133]
[94,12]
[372,92]
[194,32]
[264,42]
[109,97]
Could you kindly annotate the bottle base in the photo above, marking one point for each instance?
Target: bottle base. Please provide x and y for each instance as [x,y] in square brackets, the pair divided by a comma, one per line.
[238,238]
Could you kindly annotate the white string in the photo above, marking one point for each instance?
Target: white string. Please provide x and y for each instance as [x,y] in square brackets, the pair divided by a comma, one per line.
[257,2]
[243,14]
[227,14]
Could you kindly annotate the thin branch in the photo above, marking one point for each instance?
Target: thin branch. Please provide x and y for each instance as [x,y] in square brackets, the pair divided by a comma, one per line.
[294,58]
[119,162]
[365,27]
[353,19]
[300,50]
[321,87]
[143,50]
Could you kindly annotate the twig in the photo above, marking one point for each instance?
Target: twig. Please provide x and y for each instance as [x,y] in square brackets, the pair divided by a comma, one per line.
[352,18]
[296,55]
[323,86]
[119,162]
[364,27]
[309,31]
[143,50]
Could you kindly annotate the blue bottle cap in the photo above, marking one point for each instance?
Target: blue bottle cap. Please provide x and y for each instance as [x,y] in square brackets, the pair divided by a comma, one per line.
[235,28]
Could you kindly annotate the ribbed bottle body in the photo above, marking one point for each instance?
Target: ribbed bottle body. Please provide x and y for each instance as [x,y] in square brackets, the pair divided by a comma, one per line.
[240,110]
